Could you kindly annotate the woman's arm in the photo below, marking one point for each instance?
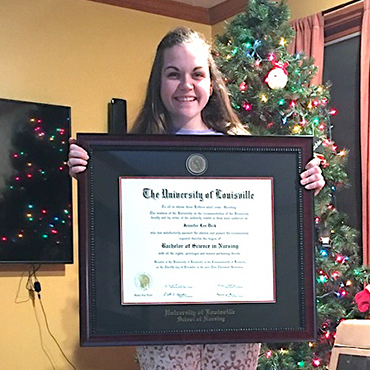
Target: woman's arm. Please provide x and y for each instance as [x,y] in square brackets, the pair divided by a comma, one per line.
[312,178]
[77,158]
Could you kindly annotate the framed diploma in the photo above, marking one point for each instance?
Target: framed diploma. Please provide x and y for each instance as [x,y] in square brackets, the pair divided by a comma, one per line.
[195,239]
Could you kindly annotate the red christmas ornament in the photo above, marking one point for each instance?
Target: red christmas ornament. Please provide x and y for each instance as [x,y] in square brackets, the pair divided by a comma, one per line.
[316,362]
[339,258]
[247,106]
[335,275]
[243,86]
[323,162]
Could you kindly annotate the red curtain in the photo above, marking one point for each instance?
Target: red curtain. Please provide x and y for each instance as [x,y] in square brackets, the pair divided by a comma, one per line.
[310,40]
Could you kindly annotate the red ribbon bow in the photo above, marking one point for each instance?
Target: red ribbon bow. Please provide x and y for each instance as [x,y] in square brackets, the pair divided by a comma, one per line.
[279,65]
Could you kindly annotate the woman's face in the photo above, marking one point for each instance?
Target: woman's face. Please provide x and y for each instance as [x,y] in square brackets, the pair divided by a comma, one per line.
[186,84]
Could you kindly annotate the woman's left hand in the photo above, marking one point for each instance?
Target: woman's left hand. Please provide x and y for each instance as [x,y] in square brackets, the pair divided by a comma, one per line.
[312,178]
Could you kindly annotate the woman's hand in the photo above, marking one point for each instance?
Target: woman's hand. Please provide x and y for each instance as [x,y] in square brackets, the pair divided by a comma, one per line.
[77,158]
[312,178]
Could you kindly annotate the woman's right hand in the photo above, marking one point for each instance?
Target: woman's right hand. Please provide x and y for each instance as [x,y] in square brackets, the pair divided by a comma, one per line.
[77,158]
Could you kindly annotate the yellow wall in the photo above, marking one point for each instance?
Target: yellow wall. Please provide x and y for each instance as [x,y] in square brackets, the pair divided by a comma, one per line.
[80,54]
[298,9]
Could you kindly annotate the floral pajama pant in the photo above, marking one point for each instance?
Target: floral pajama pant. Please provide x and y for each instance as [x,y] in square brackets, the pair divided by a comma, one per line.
[199,357]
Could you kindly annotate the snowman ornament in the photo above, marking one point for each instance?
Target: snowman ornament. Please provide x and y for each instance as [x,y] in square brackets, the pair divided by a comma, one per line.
[277,78]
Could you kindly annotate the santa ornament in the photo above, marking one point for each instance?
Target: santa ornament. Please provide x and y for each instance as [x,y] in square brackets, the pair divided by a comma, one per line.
[277,78]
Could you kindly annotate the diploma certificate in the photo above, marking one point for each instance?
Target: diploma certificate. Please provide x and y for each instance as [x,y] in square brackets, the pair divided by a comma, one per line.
[195,239]
[186,240]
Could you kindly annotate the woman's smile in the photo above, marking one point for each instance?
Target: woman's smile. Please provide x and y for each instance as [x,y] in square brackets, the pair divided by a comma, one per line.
[185,99]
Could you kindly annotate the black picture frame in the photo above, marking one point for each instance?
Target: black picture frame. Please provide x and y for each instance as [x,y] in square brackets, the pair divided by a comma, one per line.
[105,322]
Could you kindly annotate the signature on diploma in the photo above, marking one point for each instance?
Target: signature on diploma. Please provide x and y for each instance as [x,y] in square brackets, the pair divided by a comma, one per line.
[230,286]
[178,286]
[179,295]
[229,295]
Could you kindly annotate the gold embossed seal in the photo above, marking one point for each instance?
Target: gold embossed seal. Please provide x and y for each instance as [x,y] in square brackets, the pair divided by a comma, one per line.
[197,164]
[143,281]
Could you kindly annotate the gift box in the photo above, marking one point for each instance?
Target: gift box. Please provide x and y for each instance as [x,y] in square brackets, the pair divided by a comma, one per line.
[351,349]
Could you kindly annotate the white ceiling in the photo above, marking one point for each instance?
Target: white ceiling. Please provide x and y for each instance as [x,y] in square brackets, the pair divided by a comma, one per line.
[202,3]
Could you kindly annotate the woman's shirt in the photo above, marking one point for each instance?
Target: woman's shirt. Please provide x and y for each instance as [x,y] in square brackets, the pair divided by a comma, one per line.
[185,131]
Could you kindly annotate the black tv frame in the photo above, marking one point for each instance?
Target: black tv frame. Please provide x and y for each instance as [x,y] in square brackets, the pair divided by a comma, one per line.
[35,188]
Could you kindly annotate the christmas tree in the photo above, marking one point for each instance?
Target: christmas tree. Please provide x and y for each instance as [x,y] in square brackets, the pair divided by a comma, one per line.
[270,90]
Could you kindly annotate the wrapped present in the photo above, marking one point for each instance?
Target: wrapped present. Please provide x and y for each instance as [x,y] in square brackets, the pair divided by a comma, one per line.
[352,346]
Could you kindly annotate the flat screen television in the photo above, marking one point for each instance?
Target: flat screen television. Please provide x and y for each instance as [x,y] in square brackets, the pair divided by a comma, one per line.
[35,189]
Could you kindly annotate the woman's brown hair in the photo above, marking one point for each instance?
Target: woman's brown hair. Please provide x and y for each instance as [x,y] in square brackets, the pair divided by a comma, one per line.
[217,114]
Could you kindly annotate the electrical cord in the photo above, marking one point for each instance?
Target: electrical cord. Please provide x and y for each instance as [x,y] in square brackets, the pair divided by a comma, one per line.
[50,333]
[33,286]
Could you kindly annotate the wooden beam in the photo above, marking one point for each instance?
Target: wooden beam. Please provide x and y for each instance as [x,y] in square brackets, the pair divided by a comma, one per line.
[174,9]
[225,10]
[166,8]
